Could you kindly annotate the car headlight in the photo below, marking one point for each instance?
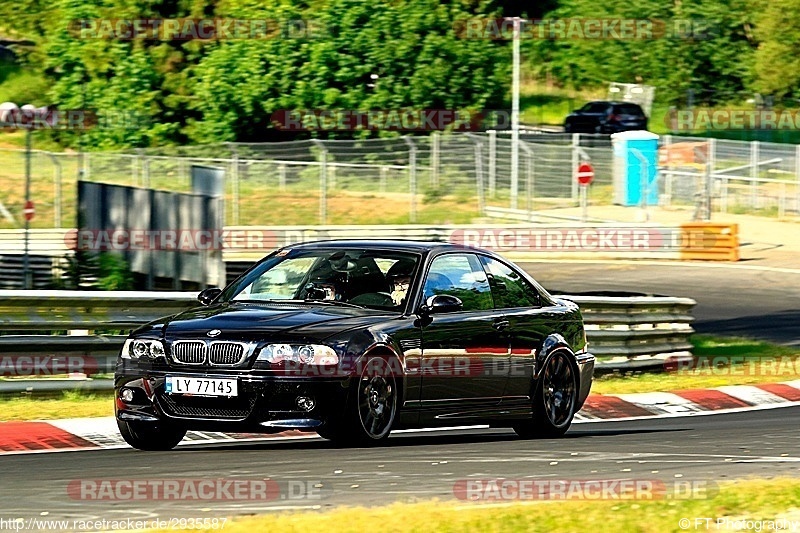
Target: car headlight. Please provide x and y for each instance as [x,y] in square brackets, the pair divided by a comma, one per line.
[309,354]
[142,348]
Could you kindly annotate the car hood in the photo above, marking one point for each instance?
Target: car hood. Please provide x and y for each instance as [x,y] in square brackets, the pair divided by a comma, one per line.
[261,321]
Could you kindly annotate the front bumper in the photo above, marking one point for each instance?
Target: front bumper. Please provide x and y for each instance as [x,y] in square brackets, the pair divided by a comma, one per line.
[264,403]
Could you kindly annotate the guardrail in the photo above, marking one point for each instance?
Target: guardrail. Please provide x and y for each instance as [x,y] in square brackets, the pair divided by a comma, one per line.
[636,332]
[87,310]
[624,331]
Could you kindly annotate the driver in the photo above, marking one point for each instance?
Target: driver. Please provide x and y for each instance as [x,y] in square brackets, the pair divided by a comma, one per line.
[399,278]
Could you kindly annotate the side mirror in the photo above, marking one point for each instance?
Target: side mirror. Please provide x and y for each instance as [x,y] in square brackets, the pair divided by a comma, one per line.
[441,303]
[208,295]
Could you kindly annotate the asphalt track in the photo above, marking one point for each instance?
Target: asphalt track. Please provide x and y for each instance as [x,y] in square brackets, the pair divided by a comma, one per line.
[412,466]
[762,304]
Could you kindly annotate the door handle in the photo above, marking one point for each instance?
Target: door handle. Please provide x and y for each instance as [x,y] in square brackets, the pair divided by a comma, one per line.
[500,324]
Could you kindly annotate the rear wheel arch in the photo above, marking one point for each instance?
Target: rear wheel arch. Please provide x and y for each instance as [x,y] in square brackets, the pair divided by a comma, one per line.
[540,424]
[553,343]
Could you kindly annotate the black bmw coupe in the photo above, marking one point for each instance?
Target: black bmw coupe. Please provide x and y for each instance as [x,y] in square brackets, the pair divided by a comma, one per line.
[352,339]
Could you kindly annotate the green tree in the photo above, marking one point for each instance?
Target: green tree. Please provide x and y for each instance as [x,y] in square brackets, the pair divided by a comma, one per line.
[777,60]
[705,45]
[151,92]
[368,55]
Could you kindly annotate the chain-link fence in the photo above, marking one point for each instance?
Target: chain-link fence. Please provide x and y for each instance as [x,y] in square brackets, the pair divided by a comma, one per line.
[438,179]
[730,176]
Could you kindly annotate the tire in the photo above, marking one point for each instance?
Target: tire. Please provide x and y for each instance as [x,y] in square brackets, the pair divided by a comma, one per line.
[151,437]
[371,407]
[554,399]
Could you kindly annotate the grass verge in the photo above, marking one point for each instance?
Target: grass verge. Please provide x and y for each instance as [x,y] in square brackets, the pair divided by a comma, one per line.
[753,362]
[68,405]
[759,500]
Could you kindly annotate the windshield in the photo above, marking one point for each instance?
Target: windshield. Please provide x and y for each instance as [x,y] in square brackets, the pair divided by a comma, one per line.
[369,278]
[595,107]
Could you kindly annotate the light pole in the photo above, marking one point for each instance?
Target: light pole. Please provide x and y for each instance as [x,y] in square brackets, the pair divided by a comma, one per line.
[515,114]
[26,267]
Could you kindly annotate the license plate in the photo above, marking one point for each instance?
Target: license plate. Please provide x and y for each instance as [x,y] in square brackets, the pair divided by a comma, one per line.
[201,386]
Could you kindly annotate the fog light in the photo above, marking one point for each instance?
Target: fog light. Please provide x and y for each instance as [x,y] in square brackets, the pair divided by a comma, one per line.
[305,403]
[126,395]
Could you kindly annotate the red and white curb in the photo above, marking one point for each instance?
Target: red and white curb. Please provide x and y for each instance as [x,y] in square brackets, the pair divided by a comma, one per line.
[93,433]
[102,433]
[689,402]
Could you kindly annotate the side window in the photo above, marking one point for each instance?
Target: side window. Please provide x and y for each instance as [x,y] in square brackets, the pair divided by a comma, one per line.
[510,288]
[459,275]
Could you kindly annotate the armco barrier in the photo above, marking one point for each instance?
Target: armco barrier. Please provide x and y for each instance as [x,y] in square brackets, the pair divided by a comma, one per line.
[636,332]
[624,331]
[87,310]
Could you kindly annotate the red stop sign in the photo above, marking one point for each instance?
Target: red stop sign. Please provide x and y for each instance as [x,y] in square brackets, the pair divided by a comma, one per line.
[29,211]
[585,174]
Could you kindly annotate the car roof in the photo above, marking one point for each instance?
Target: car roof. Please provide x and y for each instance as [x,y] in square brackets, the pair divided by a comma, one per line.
[612,102]
[379,244]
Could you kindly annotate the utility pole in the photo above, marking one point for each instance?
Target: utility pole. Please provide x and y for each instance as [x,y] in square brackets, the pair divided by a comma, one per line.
[515,114]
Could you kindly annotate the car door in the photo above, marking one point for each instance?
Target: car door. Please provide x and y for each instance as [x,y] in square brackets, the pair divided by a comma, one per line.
[464,353]
[529,323]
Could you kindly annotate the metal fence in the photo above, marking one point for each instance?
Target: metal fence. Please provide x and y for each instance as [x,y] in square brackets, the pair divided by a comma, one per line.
[440,178]
[731,176]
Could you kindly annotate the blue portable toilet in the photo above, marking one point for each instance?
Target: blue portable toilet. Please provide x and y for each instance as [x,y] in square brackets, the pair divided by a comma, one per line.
[635,167]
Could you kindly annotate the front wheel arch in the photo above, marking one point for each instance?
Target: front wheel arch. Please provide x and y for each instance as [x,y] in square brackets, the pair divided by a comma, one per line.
[346,427]
[386,352]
